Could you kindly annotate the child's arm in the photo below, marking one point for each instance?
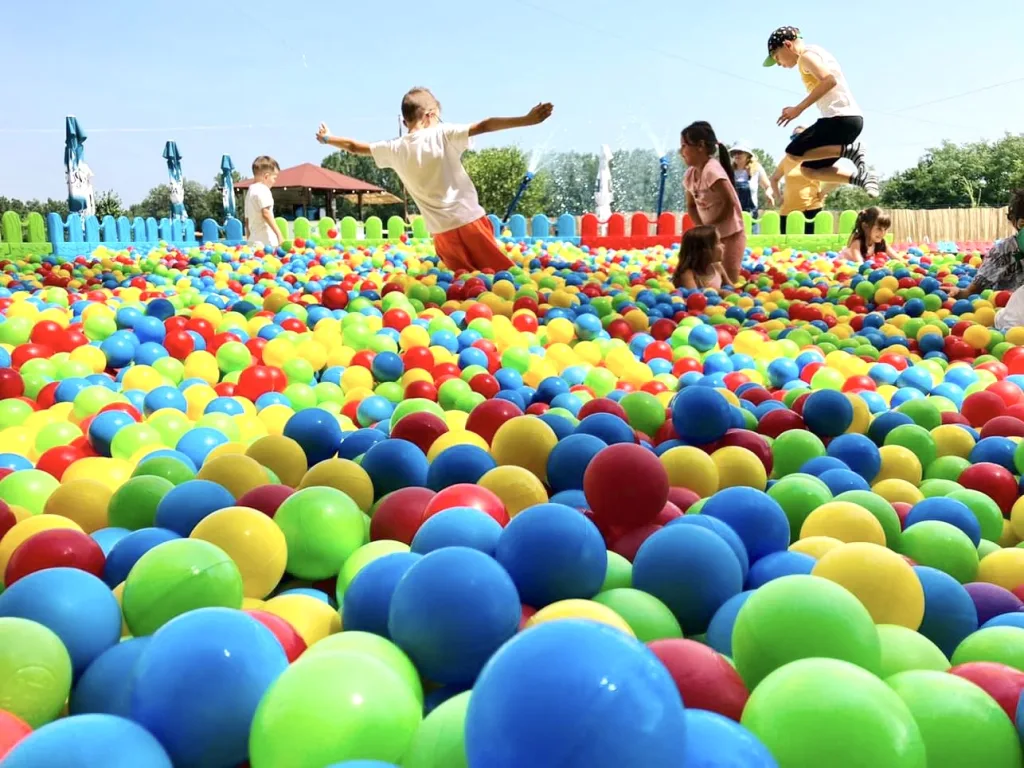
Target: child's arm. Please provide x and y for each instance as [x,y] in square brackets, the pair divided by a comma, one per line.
[766,185]
[323,135]
[722,274]
[272,223]
[691,208]
[684,280]
[535,116]
[852,251]
[721,188]
[815,67]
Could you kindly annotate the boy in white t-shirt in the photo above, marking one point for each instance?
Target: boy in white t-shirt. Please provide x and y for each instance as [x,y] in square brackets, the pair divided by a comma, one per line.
[259,204]
[834,135]
[428,160]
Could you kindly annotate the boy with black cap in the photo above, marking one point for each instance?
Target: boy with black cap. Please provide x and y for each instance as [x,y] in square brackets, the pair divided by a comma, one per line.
[834,135]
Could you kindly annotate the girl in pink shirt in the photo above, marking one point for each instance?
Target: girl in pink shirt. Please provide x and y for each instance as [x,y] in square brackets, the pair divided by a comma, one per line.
[711,198]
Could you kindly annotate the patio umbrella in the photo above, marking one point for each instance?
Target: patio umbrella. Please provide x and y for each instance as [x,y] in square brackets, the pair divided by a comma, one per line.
[176,182]
[81,199]
[603,195]
[227,187]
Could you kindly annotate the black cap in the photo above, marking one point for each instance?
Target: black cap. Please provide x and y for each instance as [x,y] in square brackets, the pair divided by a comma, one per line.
[776,40]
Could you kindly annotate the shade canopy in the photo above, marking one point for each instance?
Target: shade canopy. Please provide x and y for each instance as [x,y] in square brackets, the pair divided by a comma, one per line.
[300,182]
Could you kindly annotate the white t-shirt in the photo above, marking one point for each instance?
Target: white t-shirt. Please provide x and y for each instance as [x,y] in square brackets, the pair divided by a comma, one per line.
[1012,315]
[256,199]
[429,163]
[839,101]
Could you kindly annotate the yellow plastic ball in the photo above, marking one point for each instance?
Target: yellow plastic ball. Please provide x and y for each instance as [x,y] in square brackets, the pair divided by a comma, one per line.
[815,546]
[899,463]
[455,437]
[282,456]
[587,610]
[739,467]
[1004,568]
[253,541]
[845,521]
[524,441]
[113,473]
[894,490]
[82,501]
[953,440]
[691,468]
[345,476]
[236,472]
[313,619]
[517,488]
[882,580]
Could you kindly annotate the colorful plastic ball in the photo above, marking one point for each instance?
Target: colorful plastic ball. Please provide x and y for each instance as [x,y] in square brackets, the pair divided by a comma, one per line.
[399,515]
[197,443]
[524,441]
[486,418]
[379,706]
[451,611]
[198,683]
[1001,645]
[705,679]
[588,610]
[367,600]
[176,577]
[866,722]
[691,468]
[135,504]
[882,580]
[322,527]
[621,504]
[128,548]
[981,407]
[89,741]
[184,506]
[1004,568]
[947,510]
[701,415]
[176,469]
[858,452]
[845,521]
[291,641]
[459,464]
[799,495]
[517,488]
[643,723]
[904,649]
[342,475]
[35,671]
[991,600]
[721,529]
[282,455]
[755,516]
[959,723]
[691,570]
[943,546]
[28,488]
[1002,683]
[266,498]
[308,612]
[552,553]
[779,564]
[376,647]
[770,629]
[569,459]
[647,617]
[827,413]
[237,473]
[643,411]
[458,527]
[719,634]
[252,541]
[793,449]
[12,730]
[316,431]
[466,495]
[56,548]
[395,464]
[440,739]
[714,740]
[105,688]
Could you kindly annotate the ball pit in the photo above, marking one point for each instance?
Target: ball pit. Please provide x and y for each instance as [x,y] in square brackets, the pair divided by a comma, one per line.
[376,484]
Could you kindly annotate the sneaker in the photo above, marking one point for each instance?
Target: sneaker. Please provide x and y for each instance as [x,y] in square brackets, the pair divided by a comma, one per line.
[855,154]
[871,184]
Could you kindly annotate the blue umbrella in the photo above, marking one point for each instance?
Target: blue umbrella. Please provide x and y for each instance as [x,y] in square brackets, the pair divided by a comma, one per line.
[177,182]
[79,176]
[227,186]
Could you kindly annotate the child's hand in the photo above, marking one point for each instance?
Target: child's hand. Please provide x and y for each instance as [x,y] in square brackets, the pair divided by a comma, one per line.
[322,133]
[789,114]
[540,113]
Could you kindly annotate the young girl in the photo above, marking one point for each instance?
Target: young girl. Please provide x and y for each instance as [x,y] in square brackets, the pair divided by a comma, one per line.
[711,198]
[868,236]
[750,179]
[700,261]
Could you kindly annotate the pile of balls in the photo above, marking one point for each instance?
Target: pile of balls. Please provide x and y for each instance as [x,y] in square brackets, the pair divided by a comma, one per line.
[329,507]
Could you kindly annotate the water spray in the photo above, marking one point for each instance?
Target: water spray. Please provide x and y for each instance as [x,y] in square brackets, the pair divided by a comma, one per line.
[663,162]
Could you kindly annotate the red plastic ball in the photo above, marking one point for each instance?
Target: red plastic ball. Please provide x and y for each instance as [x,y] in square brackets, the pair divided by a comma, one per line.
[396,319]
[981,407]
[1007,390]
[602,405]
[1003,426]
[484,384]
[682,498]
[11,384]
[265,498]
[421,390]
[629,543]
[421,429]
[400,514]
[994,481]
[291,641]
[753,442]
[777,421]
[12,730]
[7,518]
[1002,683]
[703,676]
[626,486]
[257,380]
[467,495]
[487,417]
[55,548]
[56,460]
[418,357]
[334,297]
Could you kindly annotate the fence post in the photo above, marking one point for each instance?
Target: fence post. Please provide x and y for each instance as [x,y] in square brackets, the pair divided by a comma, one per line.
[396,228]
[540,226]
[566,226]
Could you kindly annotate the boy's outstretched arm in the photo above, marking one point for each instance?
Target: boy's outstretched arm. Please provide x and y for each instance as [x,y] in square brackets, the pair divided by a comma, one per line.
[323,135]
[535,116]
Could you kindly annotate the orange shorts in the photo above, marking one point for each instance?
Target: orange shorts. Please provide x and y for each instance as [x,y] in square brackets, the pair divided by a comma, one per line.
[471,246]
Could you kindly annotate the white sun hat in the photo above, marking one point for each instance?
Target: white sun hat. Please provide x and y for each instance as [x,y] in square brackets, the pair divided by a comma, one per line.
[741,146]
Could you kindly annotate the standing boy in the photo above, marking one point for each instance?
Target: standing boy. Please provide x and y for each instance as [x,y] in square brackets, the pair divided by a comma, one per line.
[834,135]
[428,160]
[259,204]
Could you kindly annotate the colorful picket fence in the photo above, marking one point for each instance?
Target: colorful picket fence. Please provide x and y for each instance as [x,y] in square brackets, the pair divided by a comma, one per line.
[76,237]
[540,228]
[19,239]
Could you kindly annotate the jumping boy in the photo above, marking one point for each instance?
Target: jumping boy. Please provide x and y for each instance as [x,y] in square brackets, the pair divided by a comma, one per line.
[834,135]
[259,204]
[428,160]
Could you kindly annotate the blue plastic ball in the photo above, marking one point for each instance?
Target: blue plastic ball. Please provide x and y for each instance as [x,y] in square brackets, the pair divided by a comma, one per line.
[367,600]
[552,553]
[75,605]
[317,432]
[184,506]
[89,741]
[105,688]
[719,634]
[1005,620]
[691,570]
[459,464]
[103,428]
[374,409]
[755,516]
[128,549]
[607,427]
[994,450]
[198,442]
[108,537]
[715,525]
[533,704]
[387,366]
[779,564]
[199,681]
[827,413]
[715,741]
[885,423]
[843,480]
[394,464]
[951,511]
[451,611]
[701,415]
[355,444]
[569,459]
[164,396]
[949,612]
[858,453]
[819,465]
[458,527]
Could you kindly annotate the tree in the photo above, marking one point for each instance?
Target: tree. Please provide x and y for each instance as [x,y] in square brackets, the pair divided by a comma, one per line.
[23,208]
[571,182]
[109,203]
[497,174]
[365,169]
[200,203]
[636,176]
[848,198]
[764,157]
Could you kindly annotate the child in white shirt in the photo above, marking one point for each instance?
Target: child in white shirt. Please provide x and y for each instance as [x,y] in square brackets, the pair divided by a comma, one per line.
[259,204]
[428,160]
[1012,249]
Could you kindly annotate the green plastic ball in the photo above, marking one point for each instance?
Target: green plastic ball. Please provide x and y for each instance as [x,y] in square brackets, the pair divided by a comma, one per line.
[799,495]
[379,647]
[903,650]
[619,573]
[1003,645]
[35,671]
[322,527]
[648,617]
[942,546]
[440,741]
[133,505]
[793,449]
[28,488]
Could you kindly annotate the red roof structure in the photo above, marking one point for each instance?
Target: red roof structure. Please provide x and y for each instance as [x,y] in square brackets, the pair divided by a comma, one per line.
[301,182]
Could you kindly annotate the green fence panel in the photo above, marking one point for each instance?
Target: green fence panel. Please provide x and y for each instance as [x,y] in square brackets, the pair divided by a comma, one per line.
[10,225]
[771,223]
[283,226]
[796,223]
[301,228]
[824,223]
[396,228]
[847,221]
[419,228]
[374,228]
[748,223]
[349,228]
[325,226]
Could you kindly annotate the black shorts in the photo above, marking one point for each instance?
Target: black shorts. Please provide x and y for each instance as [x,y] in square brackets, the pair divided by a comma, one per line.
[826,132]
[808,225]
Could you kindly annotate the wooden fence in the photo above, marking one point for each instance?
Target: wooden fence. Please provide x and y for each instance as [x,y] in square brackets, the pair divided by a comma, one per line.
[957,224]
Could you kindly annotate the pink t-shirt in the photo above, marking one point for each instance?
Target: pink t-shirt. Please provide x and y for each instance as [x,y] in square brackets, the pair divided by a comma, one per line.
[710,203]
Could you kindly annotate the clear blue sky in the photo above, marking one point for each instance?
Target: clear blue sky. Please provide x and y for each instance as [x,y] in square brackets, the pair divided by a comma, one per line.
[261,74]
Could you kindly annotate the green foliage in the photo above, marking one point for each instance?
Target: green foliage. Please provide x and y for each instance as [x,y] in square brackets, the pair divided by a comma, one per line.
[109,203]
[571,182]
[848,198]
[636,174]
[362,167]
[200,203]
[979,173]
[764,157]
[25,207]
[497,173]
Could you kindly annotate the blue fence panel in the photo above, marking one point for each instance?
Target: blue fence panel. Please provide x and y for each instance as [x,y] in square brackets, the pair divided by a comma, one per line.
[496,223]
[540,226]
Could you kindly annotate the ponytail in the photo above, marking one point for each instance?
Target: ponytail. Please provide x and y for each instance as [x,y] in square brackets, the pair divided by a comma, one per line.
[701,132]
[726,161]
